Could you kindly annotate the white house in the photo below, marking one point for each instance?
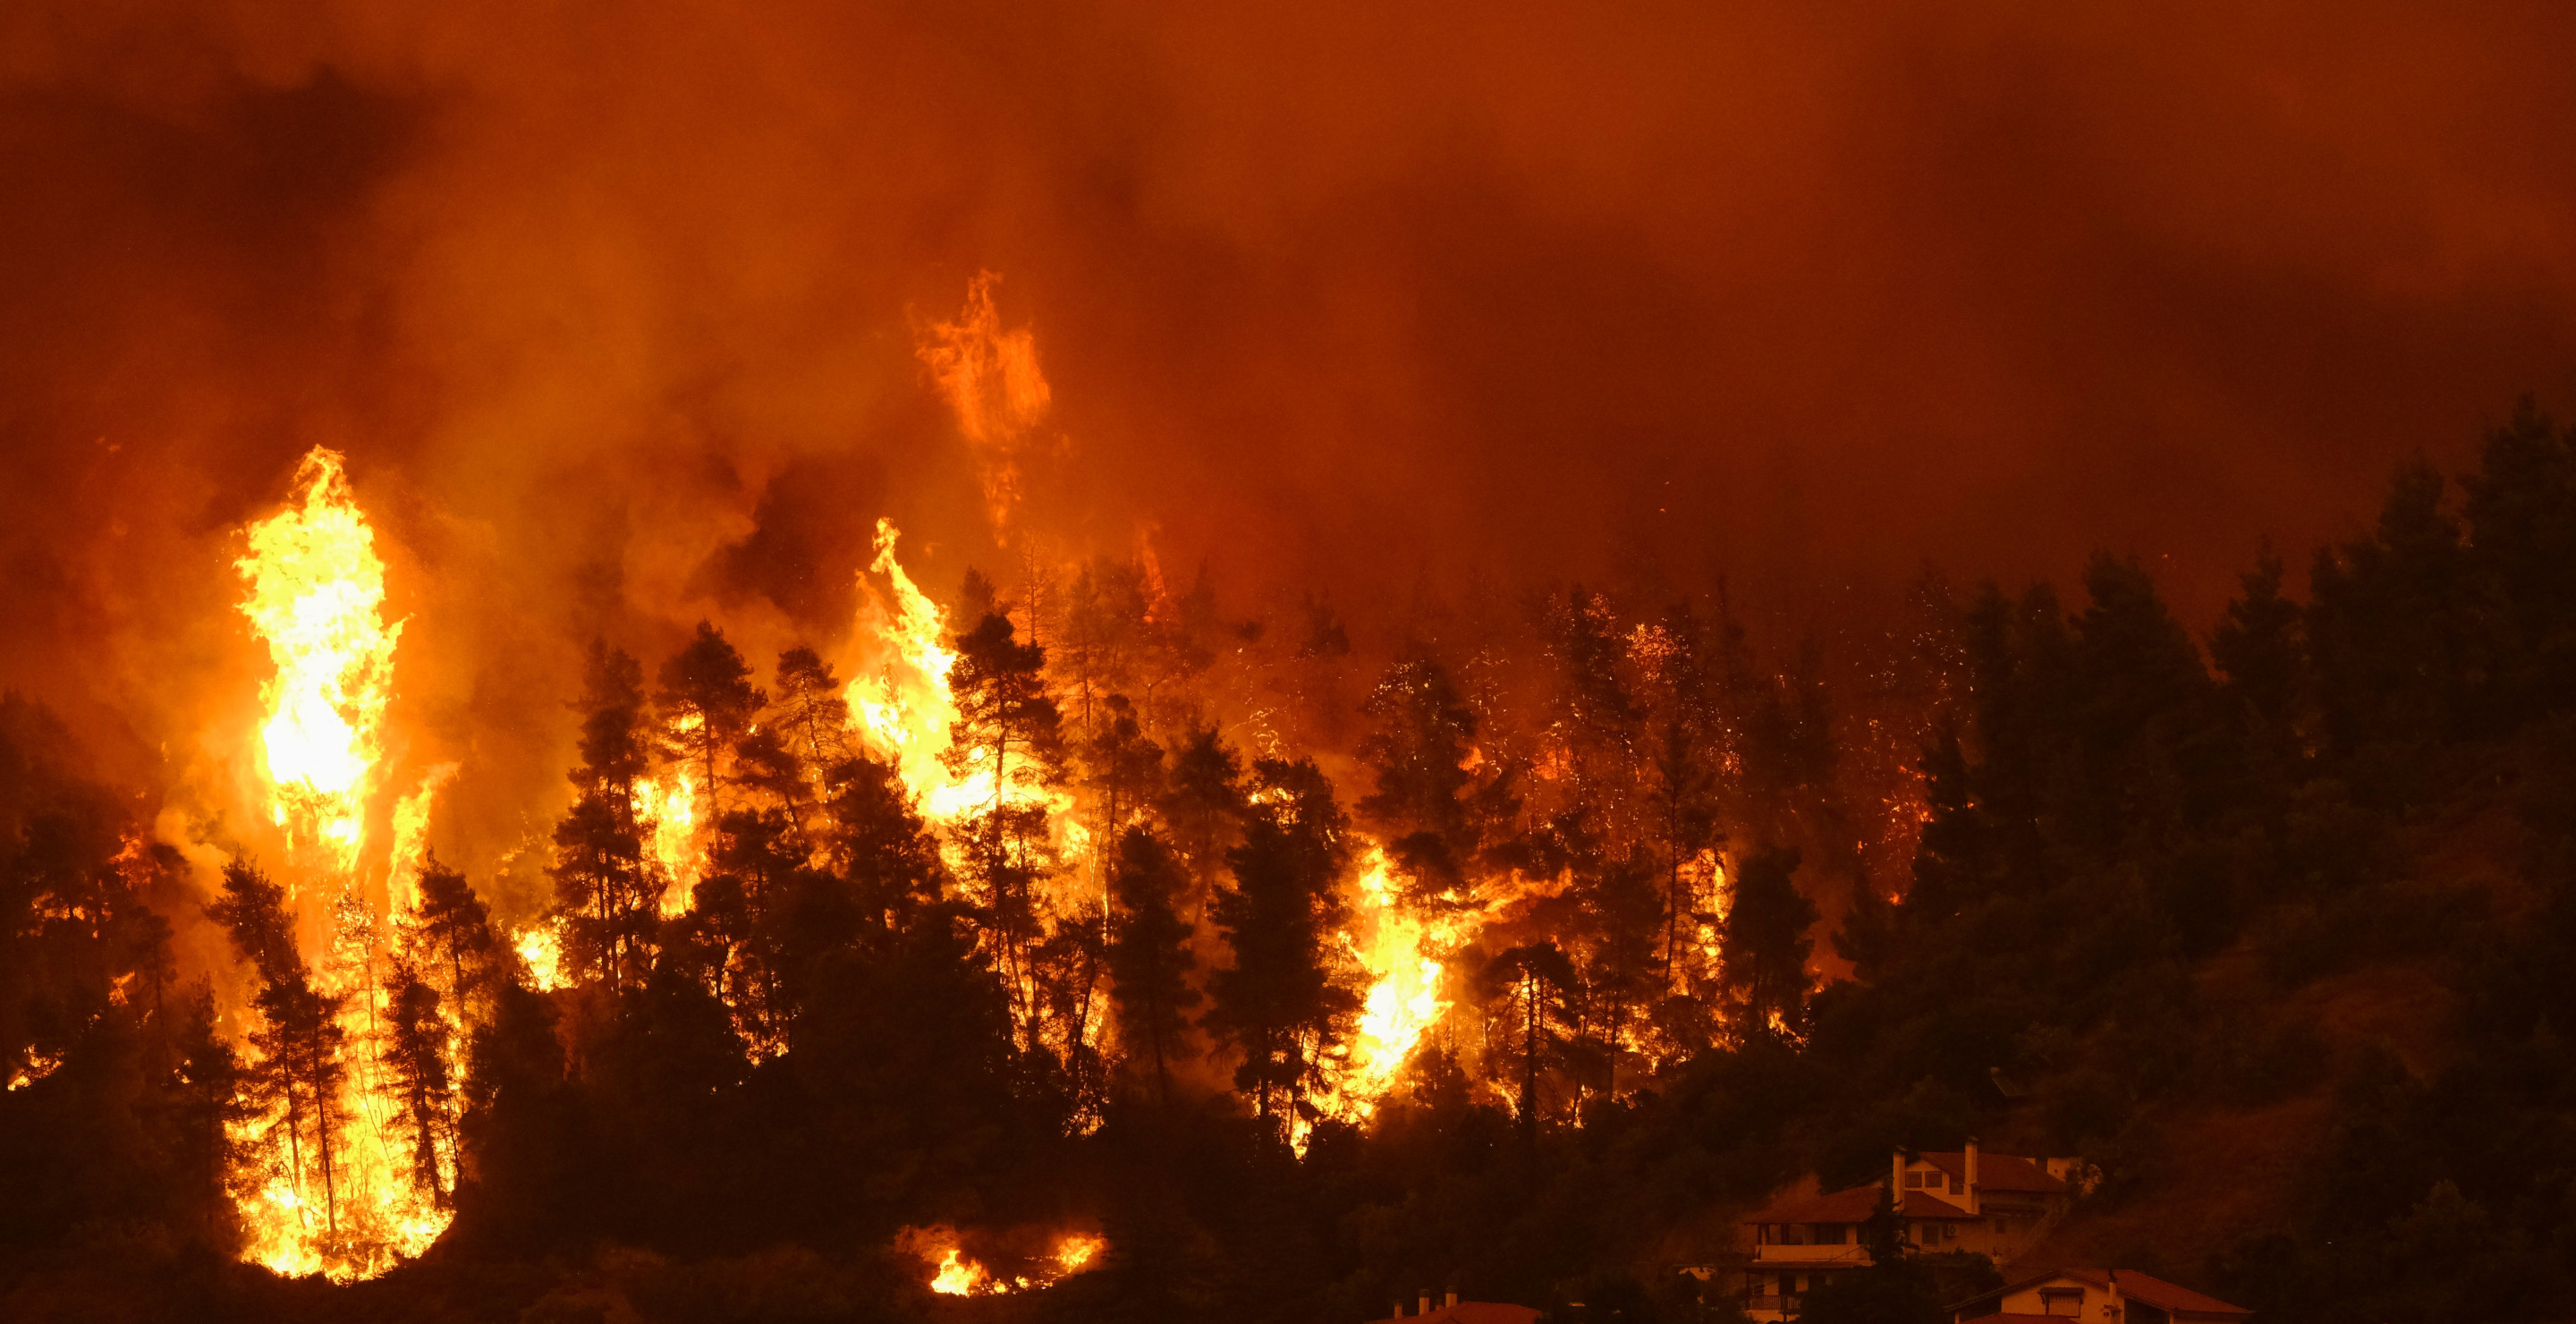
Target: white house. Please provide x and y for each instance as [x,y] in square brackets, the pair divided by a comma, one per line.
[1997,1205]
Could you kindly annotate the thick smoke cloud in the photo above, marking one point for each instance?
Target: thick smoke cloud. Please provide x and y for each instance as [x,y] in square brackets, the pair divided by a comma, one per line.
[614,307]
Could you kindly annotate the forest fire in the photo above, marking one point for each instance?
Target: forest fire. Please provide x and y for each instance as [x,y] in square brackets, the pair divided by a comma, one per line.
[938,663]
[1405,999]
[1071,827]
[328,1191]
[316,585]
[954,1273]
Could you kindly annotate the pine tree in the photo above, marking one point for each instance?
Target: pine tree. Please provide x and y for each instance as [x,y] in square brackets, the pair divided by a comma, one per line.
[707,706]
[1286,1004]
[451,930]
[812,710]
[1149,961]
[1007,730]
[1419,748]
[209,1089]
[1765,943]
[1530,991]
[300,1070]
[415,1058]
[608,897]
[1204,808]
[877,842]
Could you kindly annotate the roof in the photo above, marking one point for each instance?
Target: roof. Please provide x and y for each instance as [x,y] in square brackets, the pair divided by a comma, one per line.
[1473,1312]
[1999,1172]
[2168,1297]
[1854,1205]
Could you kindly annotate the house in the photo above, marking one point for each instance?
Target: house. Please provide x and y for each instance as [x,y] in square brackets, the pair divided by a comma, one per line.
[1996,1205]
[1455,1311]
[2117,1296]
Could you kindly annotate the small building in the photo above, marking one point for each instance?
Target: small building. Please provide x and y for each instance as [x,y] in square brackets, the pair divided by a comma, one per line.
[1455,1311]
[2108,1296]
[1996,1205]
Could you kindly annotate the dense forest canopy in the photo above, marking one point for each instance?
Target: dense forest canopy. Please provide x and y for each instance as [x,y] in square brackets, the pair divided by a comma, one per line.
[1095,946]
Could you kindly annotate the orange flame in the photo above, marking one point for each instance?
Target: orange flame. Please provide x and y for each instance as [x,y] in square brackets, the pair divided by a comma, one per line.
[954,1273]
[316,588]
[991,381]
[668,800]
[411,838]
[316,594]
[898,694]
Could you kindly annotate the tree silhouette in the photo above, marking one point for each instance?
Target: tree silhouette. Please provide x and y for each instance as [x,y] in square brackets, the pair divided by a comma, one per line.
[1765,945]
[1530,990]
[299,1070]
[415,1058]
[1205,808]
[1419,748]
[1285,1004]
[1008,731]
[606,895]
[1149,958]
[707,705]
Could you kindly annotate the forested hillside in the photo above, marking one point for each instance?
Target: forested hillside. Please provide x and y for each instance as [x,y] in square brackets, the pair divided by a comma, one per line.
[2271,924]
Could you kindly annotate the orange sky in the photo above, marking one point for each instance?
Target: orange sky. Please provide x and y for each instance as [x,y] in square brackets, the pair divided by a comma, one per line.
[613,306]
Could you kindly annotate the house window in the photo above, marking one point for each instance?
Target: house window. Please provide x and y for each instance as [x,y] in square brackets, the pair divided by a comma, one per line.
[1832,1234]
[1949,1232]
[2067,1301]
[1914,1181]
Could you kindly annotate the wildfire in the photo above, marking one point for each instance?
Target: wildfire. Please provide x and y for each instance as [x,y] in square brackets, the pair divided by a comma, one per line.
[39,1066]
[954,1273]
[541,949]
[411,837]
[316,589]
[1404,986]
[669,802]
[316,593]
[956,1277]
[898,696]
[1075,1252]
[990,379]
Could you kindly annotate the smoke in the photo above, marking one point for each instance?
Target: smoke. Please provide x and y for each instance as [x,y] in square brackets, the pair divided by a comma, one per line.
[616,310]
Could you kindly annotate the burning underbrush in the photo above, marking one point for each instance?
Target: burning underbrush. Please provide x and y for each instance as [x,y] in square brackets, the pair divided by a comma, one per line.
[1025,1259]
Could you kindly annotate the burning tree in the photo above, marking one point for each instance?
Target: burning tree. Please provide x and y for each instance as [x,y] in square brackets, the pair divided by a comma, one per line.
[1287,1004]
[298,1077]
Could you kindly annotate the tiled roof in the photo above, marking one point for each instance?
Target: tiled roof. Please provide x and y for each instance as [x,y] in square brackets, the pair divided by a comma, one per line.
[2165,1296]
[1999,1172]
[1854,1205]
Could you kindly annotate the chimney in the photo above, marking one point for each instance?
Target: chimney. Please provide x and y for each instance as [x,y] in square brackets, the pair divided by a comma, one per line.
[1426,1301]
[1453,1298]
[1972,1176]
[2117,1305]
[1896,1179]
[1399,1311]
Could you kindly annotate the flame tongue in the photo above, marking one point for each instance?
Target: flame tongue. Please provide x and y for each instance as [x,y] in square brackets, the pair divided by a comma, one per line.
[316,590]
[316,597]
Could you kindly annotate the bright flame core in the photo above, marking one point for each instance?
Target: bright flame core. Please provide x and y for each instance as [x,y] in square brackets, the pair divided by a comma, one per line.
[898,695]
[316,587]
[956,1274]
